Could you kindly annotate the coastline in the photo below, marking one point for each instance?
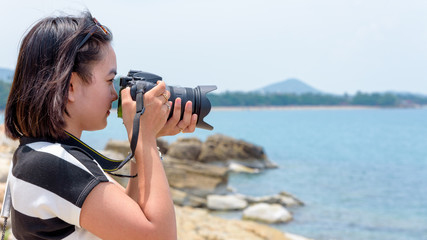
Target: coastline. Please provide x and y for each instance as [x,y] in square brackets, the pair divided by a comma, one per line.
[297,107]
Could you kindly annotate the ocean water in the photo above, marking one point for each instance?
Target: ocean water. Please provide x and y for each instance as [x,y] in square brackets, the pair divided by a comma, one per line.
[362,173]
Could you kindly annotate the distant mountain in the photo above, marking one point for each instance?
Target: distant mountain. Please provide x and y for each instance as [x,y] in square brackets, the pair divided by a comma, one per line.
[291,85]
[6,75]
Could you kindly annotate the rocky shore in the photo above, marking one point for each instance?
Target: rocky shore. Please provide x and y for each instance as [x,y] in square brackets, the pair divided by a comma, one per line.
[198,176]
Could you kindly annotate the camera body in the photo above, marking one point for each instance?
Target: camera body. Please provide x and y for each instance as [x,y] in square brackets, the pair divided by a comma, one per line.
[145,81]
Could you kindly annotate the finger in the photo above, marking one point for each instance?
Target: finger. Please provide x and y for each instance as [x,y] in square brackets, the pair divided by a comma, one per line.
[158,89]
[173,121]
[164,97]
[193,123]
[186,120]
[177,111]
[125,93]
[169,107]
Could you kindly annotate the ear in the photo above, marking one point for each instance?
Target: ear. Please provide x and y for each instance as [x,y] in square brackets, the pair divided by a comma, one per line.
[75,82]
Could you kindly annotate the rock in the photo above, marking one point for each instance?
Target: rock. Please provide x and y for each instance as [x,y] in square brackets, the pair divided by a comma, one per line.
[7,145]
[222,149]
[288,199]
[4,171]
[235,167]
[283,198]
[123,147]
[163,145]
[198,224]
[182,198]
[7,148]
[2,191]
[185,148]
[291,236]
[268,213]
[125,170]
[196,178]
[226,202]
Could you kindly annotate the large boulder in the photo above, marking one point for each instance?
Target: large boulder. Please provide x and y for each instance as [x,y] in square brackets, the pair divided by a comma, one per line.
[223,149]
[268,213]
[185,148]
[196,178]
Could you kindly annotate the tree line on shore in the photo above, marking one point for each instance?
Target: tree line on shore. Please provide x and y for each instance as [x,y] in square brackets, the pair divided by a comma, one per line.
[313,99]
[307,99]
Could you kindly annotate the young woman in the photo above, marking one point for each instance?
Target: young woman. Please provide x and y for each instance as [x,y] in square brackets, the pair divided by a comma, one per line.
[63,85]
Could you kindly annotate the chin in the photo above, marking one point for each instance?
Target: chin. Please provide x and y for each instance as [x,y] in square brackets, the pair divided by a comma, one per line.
[98,127]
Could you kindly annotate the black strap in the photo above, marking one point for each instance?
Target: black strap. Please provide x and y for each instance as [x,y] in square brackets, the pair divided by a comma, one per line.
[139,111]
[135,131]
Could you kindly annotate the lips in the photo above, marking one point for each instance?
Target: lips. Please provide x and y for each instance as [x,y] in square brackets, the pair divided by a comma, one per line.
[108,112]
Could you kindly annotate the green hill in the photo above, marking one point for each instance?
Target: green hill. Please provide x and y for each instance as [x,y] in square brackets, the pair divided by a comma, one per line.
[289,86]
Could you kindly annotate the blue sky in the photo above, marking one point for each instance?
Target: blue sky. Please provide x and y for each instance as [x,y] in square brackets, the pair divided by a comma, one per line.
[333,45]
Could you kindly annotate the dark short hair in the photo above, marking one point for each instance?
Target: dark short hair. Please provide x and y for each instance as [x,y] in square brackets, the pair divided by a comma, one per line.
[48,55]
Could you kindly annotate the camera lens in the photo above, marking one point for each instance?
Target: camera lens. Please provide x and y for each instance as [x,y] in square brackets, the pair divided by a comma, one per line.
[201,104]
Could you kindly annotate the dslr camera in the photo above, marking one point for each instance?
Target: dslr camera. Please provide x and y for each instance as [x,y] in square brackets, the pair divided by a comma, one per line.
[146,81]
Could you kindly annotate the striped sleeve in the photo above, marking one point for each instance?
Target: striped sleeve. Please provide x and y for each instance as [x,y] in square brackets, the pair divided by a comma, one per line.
[51,181]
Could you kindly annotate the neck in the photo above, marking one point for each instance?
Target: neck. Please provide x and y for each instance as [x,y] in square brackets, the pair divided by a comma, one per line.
[74,131]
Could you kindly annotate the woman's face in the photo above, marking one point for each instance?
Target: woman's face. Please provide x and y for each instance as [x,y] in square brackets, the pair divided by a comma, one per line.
[93,101]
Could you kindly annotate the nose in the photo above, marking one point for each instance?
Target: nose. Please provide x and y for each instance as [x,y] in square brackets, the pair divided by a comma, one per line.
[114,93]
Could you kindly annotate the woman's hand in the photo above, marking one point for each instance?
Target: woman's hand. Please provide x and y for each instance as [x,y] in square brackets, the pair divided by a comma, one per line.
[174,125]
[156,111]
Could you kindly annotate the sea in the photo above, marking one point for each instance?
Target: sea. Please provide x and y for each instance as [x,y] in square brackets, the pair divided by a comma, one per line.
[361,172]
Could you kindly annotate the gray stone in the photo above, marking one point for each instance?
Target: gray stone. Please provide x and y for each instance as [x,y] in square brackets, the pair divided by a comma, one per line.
[283,198]
[185,148]
[223,149]
[196,178]
[268,213]
[226,202]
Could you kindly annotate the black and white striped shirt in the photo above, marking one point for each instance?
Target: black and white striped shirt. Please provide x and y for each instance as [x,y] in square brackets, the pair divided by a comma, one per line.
[49,183]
